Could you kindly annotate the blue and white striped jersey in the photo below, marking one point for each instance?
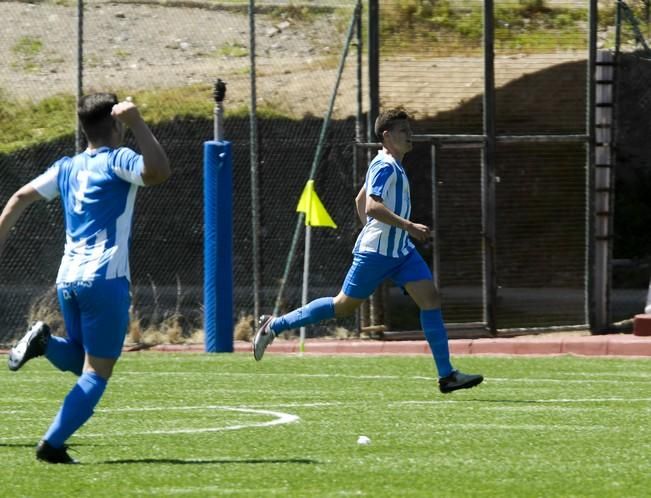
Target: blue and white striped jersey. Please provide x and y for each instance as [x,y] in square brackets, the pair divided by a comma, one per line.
[98,192]
[386,178]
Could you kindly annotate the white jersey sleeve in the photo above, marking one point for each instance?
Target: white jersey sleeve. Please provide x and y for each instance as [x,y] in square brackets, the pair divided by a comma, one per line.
[47,184]
[128,165]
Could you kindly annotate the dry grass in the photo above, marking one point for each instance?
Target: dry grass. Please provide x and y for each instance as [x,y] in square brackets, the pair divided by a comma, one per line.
[174,329]
[244,328]
[46,309]
[145,333]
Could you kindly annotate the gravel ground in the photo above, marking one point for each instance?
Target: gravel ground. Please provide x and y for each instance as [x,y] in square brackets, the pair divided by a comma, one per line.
[129,47]
[136,46]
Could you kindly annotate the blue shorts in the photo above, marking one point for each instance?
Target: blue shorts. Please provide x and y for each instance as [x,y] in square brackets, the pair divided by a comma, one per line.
[96,314]
[369,270]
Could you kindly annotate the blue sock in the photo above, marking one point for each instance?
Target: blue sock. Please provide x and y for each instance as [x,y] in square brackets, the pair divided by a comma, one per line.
[437,337]
[64,354]
[313,312]
[77,407]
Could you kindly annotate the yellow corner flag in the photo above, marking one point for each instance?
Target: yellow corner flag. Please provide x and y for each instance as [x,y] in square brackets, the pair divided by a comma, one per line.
[310,204]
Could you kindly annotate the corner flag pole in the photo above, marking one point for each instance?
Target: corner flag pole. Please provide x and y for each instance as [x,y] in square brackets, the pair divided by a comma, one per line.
[316,215]
[306,280]
[218,234]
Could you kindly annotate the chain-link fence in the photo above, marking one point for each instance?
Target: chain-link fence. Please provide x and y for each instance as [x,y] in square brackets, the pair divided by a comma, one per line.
[539,246]
[167,55]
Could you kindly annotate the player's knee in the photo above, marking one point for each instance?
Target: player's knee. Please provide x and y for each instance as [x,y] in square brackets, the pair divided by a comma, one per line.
[345,306]
[101,366]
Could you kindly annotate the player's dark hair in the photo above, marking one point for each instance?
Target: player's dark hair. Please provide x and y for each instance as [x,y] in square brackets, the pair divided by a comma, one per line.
[387,119]
[94,113]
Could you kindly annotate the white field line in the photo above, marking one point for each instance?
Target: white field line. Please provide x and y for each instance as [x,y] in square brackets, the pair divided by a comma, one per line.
[212,490]
[592,378]
[494,406]
[550,401]
[280,418]
[278,406]
[579,378]
[443,427]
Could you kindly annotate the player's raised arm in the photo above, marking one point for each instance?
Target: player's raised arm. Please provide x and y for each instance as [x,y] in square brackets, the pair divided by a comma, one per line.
[15,207]
[156,164]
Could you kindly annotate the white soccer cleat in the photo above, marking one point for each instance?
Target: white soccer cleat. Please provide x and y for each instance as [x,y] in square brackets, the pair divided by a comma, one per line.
[263,337]
[32,344]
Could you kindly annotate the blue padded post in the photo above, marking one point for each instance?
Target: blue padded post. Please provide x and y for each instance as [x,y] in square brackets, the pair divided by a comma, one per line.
[218,246]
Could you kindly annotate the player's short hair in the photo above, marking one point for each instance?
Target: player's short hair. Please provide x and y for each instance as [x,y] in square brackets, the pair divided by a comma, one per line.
[94,113]
[387,119]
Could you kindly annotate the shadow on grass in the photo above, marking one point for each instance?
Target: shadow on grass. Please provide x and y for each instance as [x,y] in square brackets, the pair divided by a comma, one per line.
[33,445]
[178,461]
[505,401]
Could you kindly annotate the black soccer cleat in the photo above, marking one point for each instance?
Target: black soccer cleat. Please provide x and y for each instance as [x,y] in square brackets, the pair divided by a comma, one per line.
[458,380]
[48,453]
[32,344]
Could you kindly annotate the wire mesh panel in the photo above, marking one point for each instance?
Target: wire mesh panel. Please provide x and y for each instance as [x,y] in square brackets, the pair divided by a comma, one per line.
[541,235]
[167,56]
[431,63]
[540,70]
[540,74]
[298,75]
[459,227]
[541,66]
[632,243]
[35,49]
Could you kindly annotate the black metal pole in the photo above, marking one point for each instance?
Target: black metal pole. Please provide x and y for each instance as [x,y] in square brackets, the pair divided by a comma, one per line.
[219,93]
[373,65]
[359,125]
[488,173]
[593,304]
[375,301]
[80,71]
[253,132]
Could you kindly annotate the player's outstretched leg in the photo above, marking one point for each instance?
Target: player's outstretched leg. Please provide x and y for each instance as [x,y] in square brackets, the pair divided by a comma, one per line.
[459,380]
[50,454]
[315,311]
[32,344]
[263,337]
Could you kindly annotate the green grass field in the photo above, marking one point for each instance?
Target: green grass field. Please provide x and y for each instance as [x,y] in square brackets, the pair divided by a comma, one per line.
[224,425]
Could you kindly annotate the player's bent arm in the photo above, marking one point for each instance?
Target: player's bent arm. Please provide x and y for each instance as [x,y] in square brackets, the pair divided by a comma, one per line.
[376,209]
[156,164]
[14,208]
[360,204]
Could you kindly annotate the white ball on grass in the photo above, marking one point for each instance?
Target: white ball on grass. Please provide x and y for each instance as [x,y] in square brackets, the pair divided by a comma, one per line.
[363,440]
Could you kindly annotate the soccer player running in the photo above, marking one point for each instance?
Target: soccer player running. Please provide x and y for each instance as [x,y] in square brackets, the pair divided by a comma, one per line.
[98,191]
[383,250]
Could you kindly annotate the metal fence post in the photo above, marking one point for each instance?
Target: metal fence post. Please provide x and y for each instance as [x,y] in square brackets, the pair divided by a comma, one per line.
[80,71]
[488,172]
[255,202]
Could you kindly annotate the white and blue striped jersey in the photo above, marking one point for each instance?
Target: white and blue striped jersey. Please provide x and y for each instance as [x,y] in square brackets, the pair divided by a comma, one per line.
[98,192]
[386,178]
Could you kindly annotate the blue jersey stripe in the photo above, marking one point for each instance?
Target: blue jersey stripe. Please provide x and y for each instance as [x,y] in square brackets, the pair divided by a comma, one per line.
[97,191]
[387,180]
[398,207]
